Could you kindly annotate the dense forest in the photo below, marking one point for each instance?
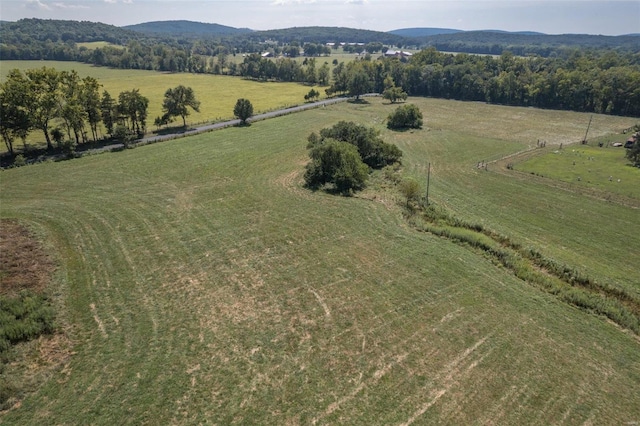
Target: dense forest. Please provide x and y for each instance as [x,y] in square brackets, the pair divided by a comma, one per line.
[599,81]
[494,43]
[185,28]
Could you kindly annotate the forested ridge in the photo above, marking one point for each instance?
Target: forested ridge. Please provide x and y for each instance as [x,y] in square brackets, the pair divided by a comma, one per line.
[185,28]
[56,39]
[495,42]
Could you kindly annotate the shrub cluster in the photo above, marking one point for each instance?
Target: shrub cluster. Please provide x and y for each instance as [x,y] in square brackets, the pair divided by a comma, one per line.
[338,163]
[342,155]
[405,117]
[23,318]
[374,152]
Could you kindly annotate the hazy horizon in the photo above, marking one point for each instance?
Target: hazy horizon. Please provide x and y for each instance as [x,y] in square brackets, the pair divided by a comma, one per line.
[545,16]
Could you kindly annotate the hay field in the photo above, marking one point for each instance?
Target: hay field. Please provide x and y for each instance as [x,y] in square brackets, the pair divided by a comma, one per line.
[201,283]
[217,94]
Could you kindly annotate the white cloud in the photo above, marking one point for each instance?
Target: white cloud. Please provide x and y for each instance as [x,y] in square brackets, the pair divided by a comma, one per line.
[37,4]
[61,5]
[56,5]
[290,2]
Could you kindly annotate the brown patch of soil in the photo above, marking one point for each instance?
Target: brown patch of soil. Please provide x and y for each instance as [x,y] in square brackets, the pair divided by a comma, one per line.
[24,264]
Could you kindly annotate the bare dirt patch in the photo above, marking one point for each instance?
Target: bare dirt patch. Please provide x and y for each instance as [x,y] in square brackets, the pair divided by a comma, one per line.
[24,264]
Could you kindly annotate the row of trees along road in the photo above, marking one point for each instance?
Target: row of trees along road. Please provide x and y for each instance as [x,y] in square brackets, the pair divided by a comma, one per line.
[39,97]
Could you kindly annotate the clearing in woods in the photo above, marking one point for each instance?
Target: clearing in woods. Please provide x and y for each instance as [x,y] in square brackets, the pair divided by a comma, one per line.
[203,283]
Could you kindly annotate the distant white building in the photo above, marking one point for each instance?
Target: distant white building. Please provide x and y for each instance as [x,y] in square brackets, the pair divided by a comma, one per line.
[398,53]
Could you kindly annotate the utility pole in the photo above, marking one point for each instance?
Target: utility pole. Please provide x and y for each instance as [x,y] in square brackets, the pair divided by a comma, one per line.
[428,179]
[584,141]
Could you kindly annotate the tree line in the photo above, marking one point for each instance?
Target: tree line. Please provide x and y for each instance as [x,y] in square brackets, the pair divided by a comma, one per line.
[591,81]
[607,83]
[39,97]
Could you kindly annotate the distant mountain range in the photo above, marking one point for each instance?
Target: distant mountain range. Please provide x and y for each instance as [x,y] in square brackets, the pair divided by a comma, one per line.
[185,27]
[426,32]
[494,42]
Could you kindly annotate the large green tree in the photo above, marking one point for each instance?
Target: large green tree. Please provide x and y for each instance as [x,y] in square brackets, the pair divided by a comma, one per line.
[43,92]
[359,83]
[243,110]
[69,104]
[177,102]
[133,109]
[14,112]
[392,92]
[337,163]
[108,111]
[372,149]
[90,101]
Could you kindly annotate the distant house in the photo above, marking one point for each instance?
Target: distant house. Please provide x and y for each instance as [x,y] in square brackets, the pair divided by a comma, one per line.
[267,55]
[398,53]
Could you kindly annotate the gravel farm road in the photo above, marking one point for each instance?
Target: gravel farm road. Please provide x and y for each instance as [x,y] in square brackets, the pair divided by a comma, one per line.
[223,124]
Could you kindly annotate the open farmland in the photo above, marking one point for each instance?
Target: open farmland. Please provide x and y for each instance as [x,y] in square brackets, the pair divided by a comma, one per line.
[603,169]
[202,283]
[217,94]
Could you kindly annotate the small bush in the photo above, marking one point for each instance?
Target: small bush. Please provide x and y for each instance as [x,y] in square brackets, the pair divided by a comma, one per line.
[19,161]
[405,117]
[633,154]
[410,189]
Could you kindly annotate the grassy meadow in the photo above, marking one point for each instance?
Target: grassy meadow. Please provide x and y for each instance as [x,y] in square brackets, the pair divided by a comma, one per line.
[199,282]
[601,168]
[217,94]
[91,45]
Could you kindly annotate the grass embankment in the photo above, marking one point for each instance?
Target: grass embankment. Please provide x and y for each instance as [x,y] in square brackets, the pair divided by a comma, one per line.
[204,283]
[533,267]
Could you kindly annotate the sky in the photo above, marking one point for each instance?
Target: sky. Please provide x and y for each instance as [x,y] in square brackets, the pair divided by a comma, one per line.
[546,16]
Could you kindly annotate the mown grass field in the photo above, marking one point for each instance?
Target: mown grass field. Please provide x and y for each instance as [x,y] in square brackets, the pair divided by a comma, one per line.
[603,168]
[91,45]
[201,283]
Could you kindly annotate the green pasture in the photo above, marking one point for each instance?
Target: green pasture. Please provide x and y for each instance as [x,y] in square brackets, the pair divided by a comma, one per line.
[91,45]
[602,168]
[338,54]
[199,282]
[217,94]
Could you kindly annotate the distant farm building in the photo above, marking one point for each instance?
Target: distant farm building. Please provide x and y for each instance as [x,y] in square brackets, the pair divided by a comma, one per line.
[398,53]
